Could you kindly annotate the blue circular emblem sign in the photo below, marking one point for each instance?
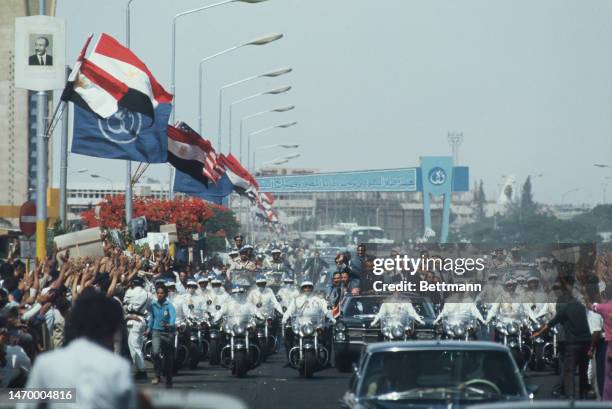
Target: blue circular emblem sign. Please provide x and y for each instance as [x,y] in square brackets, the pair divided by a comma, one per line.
[437,176]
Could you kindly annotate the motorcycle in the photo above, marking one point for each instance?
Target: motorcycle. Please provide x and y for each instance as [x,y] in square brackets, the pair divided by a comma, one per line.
[396,327]
[241,353]
[198,342]
[309,352]
[265,331]
[216,339]
[458,326]
[513,331]
[545,348]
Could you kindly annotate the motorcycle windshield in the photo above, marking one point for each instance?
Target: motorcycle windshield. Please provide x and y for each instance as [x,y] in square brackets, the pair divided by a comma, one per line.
[392,320]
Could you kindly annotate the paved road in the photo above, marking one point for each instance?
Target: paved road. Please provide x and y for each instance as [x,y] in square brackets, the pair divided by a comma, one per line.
[272,386]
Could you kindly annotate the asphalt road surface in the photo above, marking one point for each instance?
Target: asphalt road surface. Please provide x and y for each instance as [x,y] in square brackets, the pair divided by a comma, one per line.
[273,386]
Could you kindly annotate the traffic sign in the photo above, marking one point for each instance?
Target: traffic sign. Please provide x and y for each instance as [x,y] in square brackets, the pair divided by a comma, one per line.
[27,218]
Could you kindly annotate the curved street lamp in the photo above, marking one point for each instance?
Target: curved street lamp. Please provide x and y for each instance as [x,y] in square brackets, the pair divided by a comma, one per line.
[271,74]
[264,40]
[276,110]
[269,128]
[275,91]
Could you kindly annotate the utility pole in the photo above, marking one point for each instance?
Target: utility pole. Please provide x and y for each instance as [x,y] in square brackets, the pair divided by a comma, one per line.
[41,167]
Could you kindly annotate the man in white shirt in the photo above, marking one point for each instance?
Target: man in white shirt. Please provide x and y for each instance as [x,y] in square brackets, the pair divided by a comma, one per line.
[136,302]
[102,379]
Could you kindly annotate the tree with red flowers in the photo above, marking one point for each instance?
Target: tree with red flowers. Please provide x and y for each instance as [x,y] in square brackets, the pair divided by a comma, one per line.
[191,215]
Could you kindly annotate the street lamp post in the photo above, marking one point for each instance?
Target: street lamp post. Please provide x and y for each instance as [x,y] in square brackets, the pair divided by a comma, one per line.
[277,110]
[282,160]
[173,62]
[269,128]
[259,148]
[258,41]
[276,91]
[96,176]
[271,74]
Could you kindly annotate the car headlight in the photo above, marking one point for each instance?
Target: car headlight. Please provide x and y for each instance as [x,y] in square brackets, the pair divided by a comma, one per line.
[398,331]
[340,326]
[307,329]
[239,329]
[340,336]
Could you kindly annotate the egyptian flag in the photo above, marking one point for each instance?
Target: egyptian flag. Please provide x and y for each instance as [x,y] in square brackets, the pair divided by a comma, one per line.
[244,183]
[110,76]
[192,154]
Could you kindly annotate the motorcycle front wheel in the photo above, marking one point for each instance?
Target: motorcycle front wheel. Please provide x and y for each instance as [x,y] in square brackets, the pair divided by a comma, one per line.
[310,363]
[241,363]
[214,352]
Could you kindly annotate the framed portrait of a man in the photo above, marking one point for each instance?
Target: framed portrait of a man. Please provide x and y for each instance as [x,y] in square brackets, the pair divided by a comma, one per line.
[41,49]
[40,53]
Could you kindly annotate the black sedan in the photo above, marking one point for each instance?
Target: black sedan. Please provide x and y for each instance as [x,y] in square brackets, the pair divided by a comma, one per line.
[352,332]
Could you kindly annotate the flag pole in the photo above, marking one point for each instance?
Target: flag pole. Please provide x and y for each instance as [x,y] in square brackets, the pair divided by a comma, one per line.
[128,163]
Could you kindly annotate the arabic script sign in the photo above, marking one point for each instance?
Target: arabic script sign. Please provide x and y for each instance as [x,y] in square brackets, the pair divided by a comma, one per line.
[392,180]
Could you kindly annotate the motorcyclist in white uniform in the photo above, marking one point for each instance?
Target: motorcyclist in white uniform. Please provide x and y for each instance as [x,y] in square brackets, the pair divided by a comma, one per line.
[287,293]
[263,298]
[237,305]
[507,304]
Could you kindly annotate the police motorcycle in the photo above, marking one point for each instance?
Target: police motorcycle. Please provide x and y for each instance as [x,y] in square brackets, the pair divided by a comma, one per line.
[513,330]
[214,332]
[545,347]
[267,324]
[241,352]
[397,327]
[308,336]
[199,345]
[458,326]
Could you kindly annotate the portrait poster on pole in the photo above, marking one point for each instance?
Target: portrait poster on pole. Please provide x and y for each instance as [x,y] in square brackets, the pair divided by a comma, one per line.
[40,53]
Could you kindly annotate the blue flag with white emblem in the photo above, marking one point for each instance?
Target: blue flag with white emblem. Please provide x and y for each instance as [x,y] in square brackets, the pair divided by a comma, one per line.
[124,135]
[214,192]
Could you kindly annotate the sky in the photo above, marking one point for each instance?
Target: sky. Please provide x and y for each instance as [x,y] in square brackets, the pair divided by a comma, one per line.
[379,83]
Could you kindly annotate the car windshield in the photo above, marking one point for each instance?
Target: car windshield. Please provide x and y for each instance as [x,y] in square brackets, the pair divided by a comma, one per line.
[363,306]
[440,374]
[371,305]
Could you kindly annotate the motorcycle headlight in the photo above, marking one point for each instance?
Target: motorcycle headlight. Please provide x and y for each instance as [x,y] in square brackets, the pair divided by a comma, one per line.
[536,327]
[500,327]
[459,331]
[450,332]
[512,328]
[398,332]
[340,336]
[526,322]
[340,326]
[239,329]
[295,327]
[308,329]
[386,332]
